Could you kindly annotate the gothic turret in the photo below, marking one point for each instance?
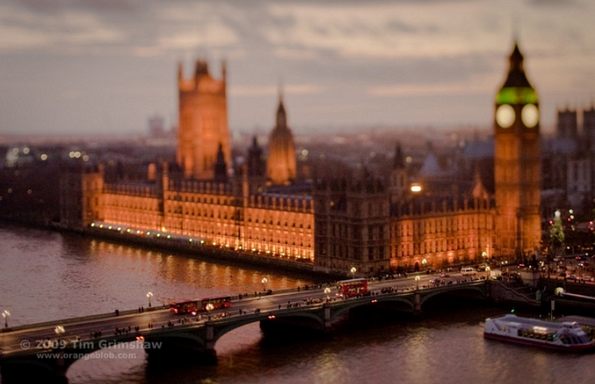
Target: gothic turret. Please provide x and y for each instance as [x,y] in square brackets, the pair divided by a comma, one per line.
[255,162]
[398,176]
[281,162]
[220,165]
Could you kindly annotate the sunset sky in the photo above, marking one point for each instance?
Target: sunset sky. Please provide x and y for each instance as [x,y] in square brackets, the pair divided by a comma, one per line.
[105,66]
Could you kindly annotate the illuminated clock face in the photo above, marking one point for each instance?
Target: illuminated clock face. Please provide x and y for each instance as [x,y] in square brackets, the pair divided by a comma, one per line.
[530,115]
[505,116]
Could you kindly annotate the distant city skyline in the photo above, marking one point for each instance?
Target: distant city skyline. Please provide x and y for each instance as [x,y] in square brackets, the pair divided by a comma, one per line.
[105,67]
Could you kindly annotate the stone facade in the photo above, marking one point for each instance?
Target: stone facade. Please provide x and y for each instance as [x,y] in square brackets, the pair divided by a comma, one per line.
[440,232]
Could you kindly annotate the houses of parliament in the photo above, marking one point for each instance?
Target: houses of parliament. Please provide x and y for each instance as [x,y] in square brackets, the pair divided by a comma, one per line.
[374,223]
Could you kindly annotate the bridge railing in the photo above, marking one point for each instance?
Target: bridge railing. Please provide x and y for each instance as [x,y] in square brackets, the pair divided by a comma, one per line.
[71,320]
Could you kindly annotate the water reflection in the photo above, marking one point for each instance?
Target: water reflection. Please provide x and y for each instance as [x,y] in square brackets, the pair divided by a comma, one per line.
[46,275]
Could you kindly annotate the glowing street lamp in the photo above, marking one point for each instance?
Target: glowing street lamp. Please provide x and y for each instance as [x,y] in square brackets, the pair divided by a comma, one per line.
[353,270]
[209,307]
[417,278]
[264,282]
[488,273]
[6,315]
[59,330]
[327,292]
[416,188]
[149,295]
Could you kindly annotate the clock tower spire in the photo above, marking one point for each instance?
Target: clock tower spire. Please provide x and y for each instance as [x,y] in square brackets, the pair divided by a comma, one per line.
[517,162]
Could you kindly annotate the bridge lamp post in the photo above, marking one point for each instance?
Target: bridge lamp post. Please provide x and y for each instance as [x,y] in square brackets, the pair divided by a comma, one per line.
[327,292]
[6,315]
[264,282]
[417,278]
[209,307]
[59,330]
[353,270]
[558,292]
[149,295]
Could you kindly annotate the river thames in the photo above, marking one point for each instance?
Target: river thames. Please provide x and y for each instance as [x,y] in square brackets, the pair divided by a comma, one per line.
[47,275]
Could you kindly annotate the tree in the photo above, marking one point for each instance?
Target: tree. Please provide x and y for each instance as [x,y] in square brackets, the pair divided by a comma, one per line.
[557,232]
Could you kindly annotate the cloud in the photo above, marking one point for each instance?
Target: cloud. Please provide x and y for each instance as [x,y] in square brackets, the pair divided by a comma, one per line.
[294,53]
[433,89]
[382,30]
[22,29]
[252,90]
[209,35]
[14,38]
[346,58]
[54,6]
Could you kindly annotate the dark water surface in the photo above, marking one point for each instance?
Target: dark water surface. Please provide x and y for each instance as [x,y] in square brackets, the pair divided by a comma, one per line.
[47,275]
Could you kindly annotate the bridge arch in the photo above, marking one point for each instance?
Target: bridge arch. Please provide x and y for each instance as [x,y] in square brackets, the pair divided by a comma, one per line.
[478,290]
[313,320]
[360,303]
[53,369]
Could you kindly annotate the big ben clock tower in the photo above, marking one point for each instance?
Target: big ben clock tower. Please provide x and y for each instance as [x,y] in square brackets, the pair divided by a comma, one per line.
[517,164]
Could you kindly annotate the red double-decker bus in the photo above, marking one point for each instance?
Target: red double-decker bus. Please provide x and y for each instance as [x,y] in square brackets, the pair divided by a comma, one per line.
[185,308]
[352,287]
[193,307]
[217,302]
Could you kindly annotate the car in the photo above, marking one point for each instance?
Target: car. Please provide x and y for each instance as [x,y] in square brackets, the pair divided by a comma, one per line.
[468,271]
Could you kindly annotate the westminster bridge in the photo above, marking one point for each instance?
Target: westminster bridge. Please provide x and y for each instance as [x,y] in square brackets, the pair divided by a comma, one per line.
[46,350]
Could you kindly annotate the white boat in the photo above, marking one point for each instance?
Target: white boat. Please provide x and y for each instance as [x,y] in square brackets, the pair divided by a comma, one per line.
[562,336]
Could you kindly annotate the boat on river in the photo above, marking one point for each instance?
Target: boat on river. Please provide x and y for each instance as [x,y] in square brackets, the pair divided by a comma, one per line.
[562,336]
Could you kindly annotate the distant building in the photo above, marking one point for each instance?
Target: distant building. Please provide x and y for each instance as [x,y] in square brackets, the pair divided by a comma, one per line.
[156,127]
[569,163]
[567,124]
[589,126]
[203,122]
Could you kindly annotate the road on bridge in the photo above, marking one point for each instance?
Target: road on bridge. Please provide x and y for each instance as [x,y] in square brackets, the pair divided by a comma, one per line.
[44,336]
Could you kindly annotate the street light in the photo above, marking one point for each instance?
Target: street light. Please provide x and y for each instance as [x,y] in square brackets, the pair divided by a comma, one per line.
[424,263]
[488,274]
[353,270]
[264,282]
[209,307]
[6,315]
[149,295]
[558,292]
[327,292]
[59,330]
[417,278]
